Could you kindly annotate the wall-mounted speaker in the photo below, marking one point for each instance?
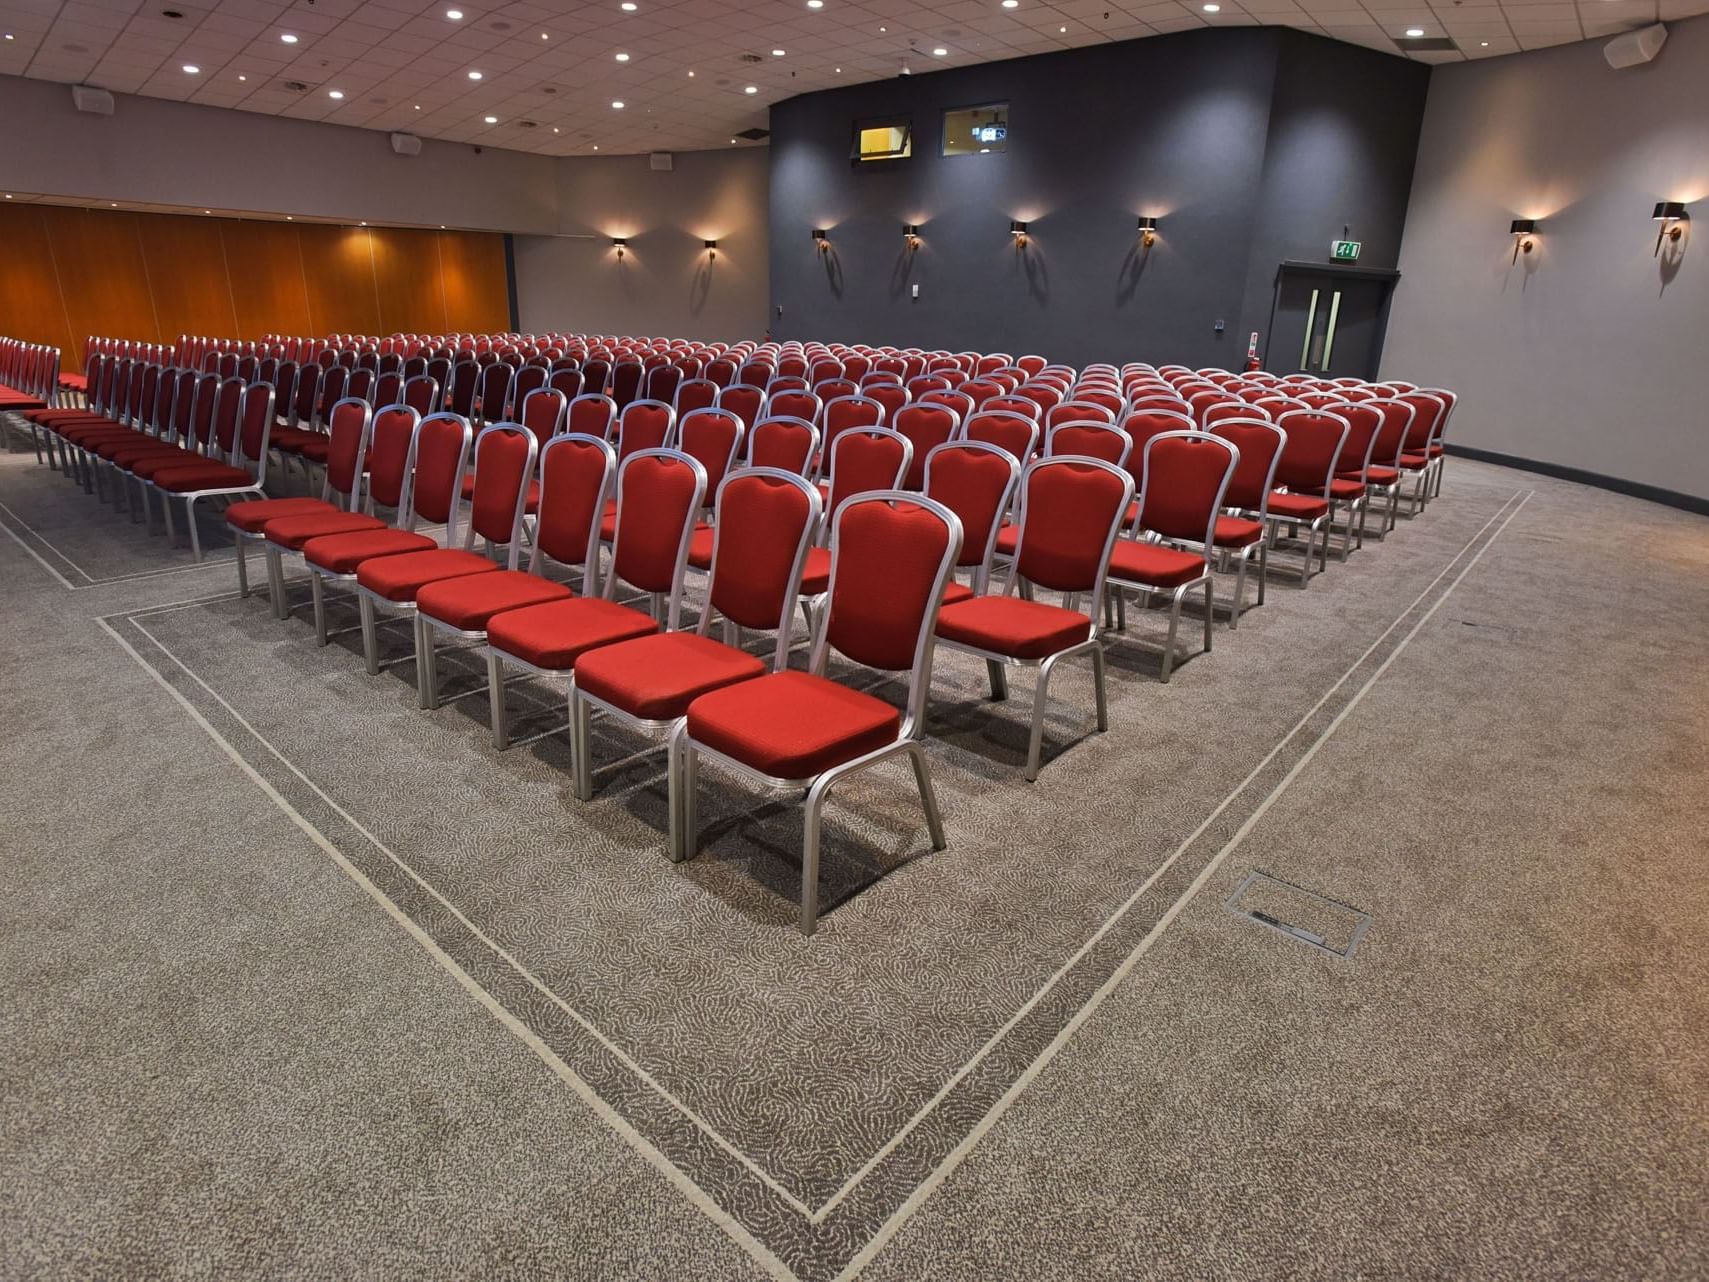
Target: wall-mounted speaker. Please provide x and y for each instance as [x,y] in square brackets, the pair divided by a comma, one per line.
[660,160]
[1635,47]
[88,98]
[406,144]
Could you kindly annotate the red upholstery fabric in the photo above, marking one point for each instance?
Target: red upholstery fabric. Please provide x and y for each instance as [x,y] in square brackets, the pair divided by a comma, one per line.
[816,572]
[954,592]
[656,677]
[970,483]
[393,563]
[700,547]
[792,725]
[439,455]
[1008,625]
[1154,565]
[555,634]
[1237,531]
[1184,477]
[888,558]
[1298,507]
[203,476]
[1343,488]
[762,520]
[252,517]
[860,462]
[294,531]
[502,462]
[1069,511]
[658,498]
[1008,539]
[1413,462]
[469,601]
[149,466]
[1258,445]
[127,453]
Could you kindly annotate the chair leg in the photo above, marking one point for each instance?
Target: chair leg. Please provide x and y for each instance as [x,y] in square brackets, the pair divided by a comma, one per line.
[1263,568]
[810,826]
[495,702]
[928,797]
[317,590]
[427,697]
[1174,627]
[1239,589]
[1121,610]
[581,717]
[195,535]
[276,582]
[1323,550]
[999,680]
[370,635]
[1099,695]
[1035,741]
[1210,616]
[242,569]
[673,788]
[166,519]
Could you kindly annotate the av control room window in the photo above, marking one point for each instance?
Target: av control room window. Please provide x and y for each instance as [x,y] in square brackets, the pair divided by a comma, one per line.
[976,131]
[888,139]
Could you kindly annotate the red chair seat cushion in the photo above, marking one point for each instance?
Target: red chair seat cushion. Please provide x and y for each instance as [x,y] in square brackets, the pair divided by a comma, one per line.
[52,418]
[384,564]
[656,677]
[125,451]
[92,434]
[1342,488]
[294,531]
[700,547]
[792,725]
[316,450]
[203,476]
[469,602]
[816,572]
[291,439]
[151,465]
[1008,539]
[1297,507]
[532,505]
[1011,626]
[554,635]
[1378,475]
[1413,462]
[1237,532]
[1154,566]
[252,517]
[954,592]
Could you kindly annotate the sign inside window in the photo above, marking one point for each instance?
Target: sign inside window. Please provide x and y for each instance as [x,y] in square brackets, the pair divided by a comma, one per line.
[976,131]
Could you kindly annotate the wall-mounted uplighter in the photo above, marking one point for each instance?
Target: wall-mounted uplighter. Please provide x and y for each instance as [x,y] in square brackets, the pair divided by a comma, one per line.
[821,239]
[911,234]
[1669,213]
[712,249]
[1147,231]
[1018,230]
[619,244]
[1523,230]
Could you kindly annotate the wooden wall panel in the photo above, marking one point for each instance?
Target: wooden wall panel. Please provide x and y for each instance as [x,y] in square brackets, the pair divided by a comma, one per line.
[406,274]
[31,307]
[471,272]
[67,273]
[99,256]
[265,267]
[338,266]
[187,276]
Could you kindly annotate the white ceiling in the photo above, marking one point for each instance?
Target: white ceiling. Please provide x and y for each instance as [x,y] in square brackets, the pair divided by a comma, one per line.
[403,64]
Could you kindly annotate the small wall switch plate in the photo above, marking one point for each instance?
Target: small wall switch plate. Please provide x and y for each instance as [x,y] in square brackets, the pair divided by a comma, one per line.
[914,292]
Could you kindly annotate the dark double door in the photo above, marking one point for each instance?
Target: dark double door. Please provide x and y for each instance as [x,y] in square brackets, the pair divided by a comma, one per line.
[1328,321]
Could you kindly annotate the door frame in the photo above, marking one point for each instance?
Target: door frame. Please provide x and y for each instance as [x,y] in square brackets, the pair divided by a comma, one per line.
[1388,276]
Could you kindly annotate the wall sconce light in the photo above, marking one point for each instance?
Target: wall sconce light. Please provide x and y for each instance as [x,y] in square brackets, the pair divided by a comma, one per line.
[1522,230]
[821,239]
[712,248]
[1147,231]
[1669,213]
[619,243]
[911,234]
[1018,230]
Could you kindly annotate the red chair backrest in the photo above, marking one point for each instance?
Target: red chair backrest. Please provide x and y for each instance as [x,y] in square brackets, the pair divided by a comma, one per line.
[890,558]
[228,408]
[1309,459]
[746,400]
[1363,423]
[659,496]
[257,423]
[663,382]
[1397,416]
[1013,432]
[1260,445]
[1144,424]
[1426,410]
[577,472]
[893,396]
[1070,511]
[695,394]
[713,437]
[1226,410]
[960,402]
[542,413]
[848,412]
[926,427]
[867,458]
[787,444]
[828,389]
[795,404]
[1079,411]
[1096,440]
[766,519]
[388,453]
[643,425]
[1186,475]
[504,462]
[592,414]
[439,455]
[976,481]
[720,371]
[626,382]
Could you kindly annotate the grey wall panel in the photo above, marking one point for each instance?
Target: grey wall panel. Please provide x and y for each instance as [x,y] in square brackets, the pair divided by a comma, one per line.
[1586,353]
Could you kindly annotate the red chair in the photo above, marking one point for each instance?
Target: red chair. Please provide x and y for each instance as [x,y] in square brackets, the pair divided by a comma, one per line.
[1012,432]
[1078,411]
[1141,426]
[800,731]
[926,427]
[626,379]
[960,402]
[659,495]
[1243,528]
[1186,481]
[1096,440]
[893,396]
[644,425]
[788,444]
[592,414]
[696,394]
[793,403]
[543,412]
[1305,474]
[438,457]
[766,520]
[744,400]
[1383,474]
[1349,485]
[1422,456]
[847,412]
[977,482]
[713,437]
[1021,405]
[866,458]
[662,383]
[576,476]
[243,446]
[1071,510]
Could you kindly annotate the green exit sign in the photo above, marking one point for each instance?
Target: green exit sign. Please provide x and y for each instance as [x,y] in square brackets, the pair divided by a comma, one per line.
[1345,251]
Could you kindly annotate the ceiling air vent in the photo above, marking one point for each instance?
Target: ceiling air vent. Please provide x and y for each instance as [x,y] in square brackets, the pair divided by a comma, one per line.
[754,135]
[293,86]
[749,57]
[527,124]
[1426,44]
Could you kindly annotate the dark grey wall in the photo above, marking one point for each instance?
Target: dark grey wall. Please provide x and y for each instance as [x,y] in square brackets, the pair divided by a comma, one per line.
[1250,145]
